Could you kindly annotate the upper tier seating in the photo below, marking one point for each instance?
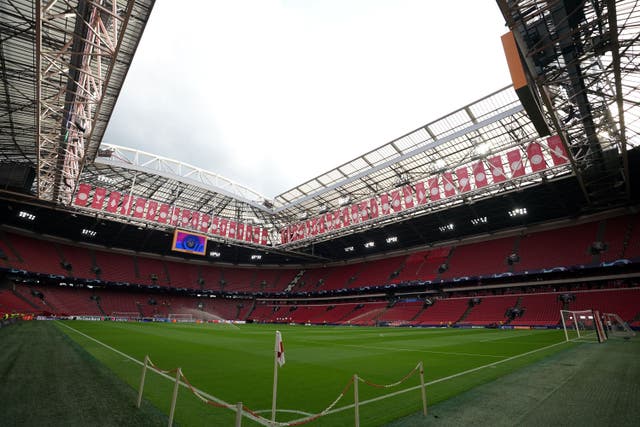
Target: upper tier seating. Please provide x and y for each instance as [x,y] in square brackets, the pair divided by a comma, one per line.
[562,247]
[481,258]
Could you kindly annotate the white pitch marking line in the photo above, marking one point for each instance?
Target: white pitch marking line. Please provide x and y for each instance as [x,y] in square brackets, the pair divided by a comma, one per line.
[410,350]
[172,379]
[375,399]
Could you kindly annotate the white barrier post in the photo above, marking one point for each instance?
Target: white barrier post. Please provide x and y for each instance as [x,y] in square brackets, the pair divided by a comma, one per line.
[423,390]
[356,403]
[175,396]
[238,414]
[144,373]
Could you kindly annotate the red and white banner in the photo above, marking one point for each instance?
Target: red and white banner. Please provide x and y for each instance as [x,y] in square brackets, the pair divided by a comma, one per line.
[163,213]
[515,163]
[337,220]
[384,204]
[232,229]
[434,189]
[395,201]
[248,233]
[185,218]
[222,227]
[355,215]
[195,220]
[556,148]
[240,231]
[421,195]
[463,180]
[497,169]
[205,222]
[138,211]
[449,185]
[152,210]
[215,225]
[256,235]
[322,224]
[264,237]
[346,216]
[125,208]
[363,207]
[373,207]
[407,192]
[82,196]
[328,219]
[536,159]
[479,174]
[98,198]
[174,219]
[114,199]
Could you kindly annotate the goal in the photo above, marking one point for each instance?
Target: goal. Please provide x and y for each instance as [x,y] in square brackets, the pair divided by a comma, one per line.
[180,317]
[583,325]
[616,327]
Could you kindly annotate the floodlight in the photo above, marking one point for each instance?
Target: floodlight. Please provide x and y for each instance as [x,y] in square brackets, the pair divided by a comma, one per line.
[518,212]
[479,220]
[446,227]
[26,215]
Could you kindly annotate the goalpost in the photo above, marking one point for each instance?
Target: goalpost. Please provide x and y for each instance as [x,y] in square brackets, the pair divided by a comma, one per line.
[616,327]
[584,325]
[180,317]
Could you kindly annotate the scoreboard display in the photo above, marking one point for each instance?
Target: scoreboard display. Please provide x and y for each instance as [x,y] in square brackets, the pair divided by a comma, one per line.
[184,241]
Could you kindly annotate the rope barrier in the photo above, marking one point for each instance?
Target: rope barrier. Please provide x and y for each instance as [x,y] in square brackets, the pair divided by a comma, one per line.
[259,418]
[324,411]
[397,383]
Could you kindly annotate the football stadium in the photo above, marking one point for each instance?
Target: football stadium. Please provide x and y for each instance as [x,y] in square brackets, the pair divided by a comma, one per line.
[482,269]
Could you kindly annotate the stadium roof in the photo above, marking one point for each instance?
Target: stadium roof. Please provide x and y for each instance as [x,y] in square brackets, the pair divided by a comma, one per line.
[63,65]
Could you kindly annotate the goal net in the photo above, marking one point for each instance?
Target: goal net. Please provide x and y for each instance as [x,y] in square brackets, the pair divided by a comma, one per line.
[616,327]
[180,317]
[583,325]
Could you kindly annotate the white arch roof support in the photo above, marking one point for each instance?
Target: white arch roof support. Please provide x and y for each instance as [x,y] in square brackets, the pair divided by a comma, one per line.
[142,161]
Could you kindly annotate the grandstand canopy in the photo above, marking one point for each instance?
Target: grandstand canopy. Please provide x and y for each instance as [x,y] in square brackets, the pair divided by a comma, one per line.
[64,63]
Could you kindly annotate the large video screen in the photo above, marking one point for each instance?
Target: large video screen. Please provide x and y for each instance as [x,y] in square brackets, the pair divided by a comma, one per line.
[184,241]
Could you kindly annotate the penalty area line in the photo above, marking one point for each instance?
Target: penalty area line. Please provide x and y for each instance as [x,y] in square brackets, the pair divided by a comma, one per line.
[162,374]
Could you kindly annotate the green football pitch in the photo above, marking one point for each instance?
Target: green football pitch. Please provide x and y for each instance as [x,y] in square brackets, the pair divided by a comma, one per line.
[235,364]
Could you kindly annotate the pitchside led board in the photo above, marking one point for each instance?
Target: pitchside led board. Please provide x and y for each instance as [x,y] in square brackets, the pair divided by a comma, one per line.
[184,241]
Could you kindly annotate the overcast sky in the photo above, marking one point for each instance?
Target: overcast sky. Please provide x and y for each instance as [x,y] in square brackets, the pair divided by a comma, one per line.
[273,93]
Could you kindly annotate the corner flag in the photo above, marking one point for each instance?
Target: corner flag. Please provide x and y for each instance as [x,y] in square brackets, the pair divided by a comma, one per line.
[278,360]
[279,349]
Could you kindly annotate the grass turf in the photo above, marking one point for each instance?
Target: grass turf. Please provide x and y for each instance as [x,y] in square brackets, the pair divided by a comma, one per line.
[588,385]
[236,364]
[48,380]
